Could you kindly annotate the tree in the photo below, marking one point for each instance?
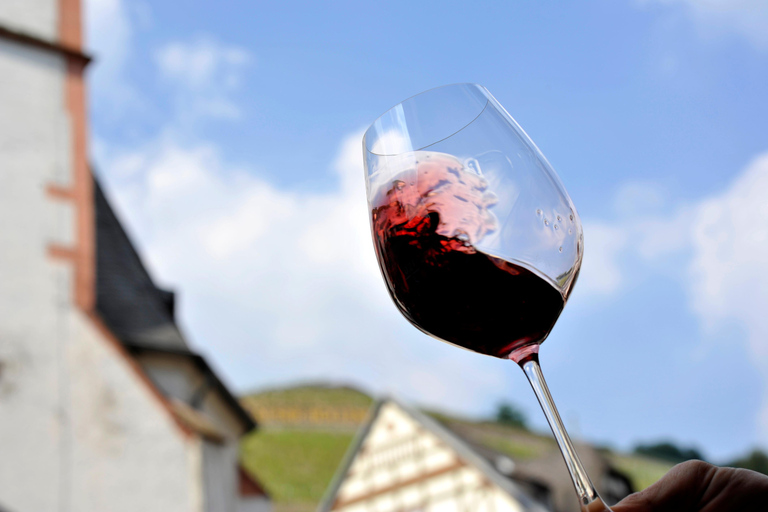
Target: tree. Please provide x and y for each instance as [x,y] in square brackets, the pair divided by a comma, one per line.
[508,414]
[668,451]
[756,461]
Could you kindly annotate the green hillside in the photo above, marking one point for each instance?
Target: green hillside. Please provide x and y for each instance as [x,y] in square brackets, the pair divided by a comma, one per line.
[295,466]
[304,432]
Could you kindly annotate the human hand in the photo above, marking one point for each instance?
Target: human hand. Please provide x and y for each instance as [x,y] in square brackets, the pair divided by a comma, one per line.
[696,486]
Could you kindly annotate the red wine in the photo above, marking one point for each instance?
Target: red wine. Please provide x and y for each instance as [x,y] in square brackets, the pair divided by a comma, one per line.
[424,223]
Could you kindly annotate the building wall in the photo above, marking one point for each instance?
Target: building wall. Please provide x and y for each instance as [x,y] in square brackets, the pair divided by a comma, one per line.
[82,428]
[128,454]
[403,466]
[35,17]
[32,286]
[179,378]
[220,477]
[255,504]
[79,428]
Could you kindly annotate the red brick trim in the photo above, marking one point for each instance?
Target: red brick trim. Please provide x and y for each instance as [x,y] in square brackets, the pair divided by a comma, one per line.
[58,252]
[70,37]
[70,24]
[85,268]
[59,192]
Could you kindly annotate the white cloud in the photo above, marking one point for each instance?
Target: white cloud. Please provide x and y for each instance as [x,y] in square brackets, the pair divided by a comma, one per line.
[636,198]
[642,230]
[275,284]
[282,284]
[600,271]
[201,64]
[729,277]
[746,18]
[724,243]
[203,73]
[730,236]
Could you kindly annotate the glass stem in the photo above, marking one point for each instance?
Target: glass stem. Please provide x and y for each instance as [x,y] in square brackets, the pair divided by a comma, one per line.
[590,499]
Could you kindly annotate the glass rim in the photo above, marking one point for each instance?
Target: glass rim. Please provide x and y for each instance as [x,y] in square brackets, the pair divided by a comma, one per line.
[433,89]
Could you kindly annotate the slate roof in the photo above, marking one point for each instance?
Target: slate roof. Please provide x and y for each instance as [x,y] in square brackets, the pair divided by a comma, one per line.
[138,313]
[127,299]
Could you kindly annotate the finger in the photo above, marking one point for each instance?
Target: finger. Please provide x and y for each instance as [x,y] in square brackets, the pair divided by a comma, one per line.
[736,489]
[679,490]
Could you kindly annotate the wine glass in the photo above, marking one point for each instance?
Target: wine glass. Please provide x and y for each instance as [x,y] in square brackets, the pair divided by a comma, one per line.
[477,239]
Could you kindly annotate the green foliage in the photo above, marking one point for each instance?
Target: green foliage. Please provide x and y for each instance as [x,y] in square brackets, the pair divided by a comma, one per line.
[668,451]
[295,466]
[757,460]
[508,414]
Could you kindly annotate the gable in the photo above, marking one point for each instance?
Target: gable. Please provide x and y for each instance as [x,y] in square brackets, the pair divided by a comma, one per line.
[402,464]
[141,316]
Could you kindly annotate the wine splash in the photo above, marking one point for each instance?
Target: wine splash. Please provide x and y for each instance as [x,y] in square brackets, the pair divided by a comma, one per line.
[426,220]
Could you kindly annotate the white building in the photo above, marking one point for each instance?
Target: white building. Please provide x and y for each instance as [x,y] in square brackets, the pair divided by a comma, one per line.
[103,407]
[405,461]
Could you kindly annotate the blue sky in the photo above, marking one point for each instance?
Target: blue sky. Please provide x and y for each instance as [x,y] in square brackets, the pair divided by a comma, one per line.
[229,137]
